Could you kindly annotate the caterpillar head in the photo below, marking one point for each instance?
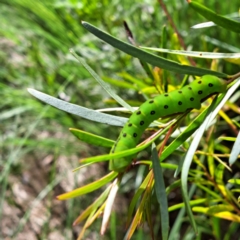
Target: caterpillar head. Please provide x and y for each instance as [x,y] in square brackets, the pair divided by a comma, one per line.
[208,85]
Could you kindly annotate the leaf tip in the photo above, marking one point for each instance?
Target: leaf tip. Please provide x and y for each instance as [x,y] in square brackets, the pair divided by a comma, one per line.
[30,90]
[74,223]
[84,23]
[81,160]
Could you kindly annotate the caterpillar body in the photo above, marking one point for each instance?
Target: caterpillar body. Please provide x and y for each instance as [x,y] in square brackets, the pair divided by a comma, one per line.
[175,102]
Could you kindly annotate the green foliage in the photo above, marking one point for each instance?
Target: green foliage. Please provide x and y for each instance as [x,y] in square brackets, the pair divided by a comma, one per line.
[40,33]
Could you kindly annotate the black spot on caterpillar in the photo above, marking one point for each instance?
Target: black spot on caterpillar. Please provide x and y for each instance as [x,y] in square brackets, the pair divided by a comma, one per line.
[177,101]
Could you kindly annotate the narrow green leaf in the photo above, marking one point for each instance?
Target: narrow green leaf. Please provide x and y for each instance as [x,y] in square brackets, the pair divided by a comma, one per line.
[125,153]
[187,163]
[148,57]
[78,110]
[180,164]
[235,151]
[176,184]
[92,138]
[225,138]
[207,55]
[89,187]
[160,193]
[104,85]
[210,159]
[181,205]
[219,174]
[107,157]
[220,208]
[179,220]
[221,214]
[224,22]
[208,189]
[210,24]
[171,166]
[221,44]
[216,225]
[145,66]
[234,181]
[147,69]
[164,40]
[231,230]
[113,226]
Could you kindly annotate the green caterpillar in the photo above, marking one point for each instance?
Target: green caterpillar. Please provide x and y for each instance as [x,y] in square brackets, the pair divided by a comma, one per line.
[176,102]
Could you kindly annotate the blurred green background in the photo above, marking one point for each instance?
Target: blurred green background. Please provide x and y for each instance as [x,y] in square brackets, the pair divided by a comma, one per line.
[37,152]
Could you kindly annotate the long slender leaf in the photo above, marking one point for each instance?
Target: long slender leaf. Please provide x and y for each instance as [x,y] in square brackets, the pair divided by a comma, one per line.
[221,44]
[210,24]
[174,233]
[208,55]
[233,227]
[192,203]
[148,57]
[160,193]
[92,138]
[223,214]
[224,22]
[78,110]
[89,187]
[125,153]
